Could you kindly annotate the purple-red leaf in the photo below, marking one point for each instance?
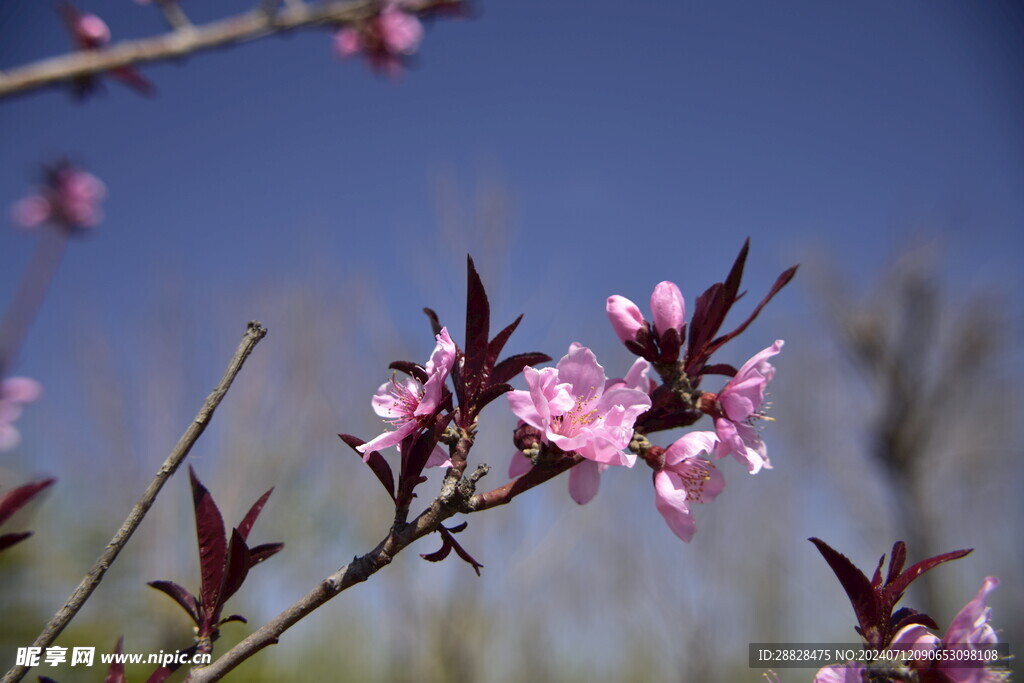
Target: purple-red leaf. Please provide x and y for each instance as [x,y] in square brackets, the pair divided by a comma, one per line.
[720,369]
[435,323]
[478,323]
[411,369]
[780,282]
[894,590]
[234,617]
[440,553]
[377,463]
[513,365]
[460,551]
[212,545]
[858,590]
[180,595]
[498,343]
[250,517]
[906,616]
[115,674]
[670,344]
[263,552]
[490,393]
[897,559]
[238,567]
[15,499]
[7,540]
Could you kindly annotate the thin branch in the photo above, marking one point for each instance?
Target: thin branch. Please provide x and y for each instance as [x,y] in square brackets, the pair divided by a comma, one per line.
[456,496]
[240,28]
[253,335]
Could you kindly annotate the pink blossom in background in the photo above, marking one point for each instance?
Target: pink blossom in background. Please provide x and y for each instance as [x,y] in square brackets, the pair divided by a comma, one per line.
[576,408]
[740,401]
[71,200]
[385,40]
[848,672]
[91,31]
[405,403]
[686,478]
[14,393]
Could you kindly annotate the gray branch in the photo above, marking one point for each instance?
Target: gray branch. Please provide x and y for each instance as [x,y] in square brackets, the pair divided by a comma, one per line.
[65,614]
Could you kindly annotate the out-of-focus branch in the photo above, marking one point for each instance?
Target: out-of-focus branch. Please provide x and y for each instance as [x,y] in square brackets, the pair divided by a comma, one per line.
[29,297]
[189,39]
[254,333]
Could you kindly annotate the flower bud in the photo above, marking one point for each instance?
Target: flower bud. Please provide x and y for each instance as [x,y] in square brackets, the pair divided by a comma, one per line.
[625,317]
[668,307]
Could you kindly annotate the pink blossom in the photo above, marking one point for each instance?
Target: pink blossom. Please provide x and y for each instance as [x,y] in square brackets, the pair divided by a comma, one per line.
[385,39]
[969,630]
[738,404]
[625,317]
[70,199]
[91,31]
[573,410]
[686,478]
[14,393]
[407,403]
[668,307]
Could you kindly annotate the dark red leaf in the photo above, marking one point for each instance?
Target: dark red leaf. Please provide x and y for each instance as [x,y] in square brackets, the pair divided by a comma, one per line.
[513,365]
[410,368]
[250,517]
[478,323]
[440,553]
[435,323]
[212,545]
[15,499]
[180,595]
[781,282]
[46,679]
[490,393]
[7,540]
[460,551]
[238,567]
[858,590]
[115,674]
[263,552]
[498,343]
[720,369]
[895,589]
[906,616]
[876,579]
[234,617]
[897,559]
[377,463]
[458,528]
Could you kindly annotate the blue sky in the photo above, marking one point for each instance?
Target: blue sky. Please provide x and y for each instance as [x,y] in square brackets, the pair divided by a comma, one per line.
[631,143]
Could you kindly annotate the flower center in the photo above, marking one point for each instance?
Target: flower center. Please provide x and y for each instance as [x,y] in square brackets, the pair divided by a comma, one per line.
[577,417]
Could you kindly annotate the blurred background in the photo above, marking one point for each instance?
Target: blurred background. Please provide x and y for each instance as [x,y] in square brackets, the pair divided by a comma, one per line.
[577,150]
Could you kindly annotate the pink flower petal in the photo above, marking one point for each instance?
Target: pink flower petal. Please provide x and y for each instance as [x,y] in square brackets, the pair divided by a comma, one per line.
[519,466]
[671,501]
[20,390]
[584,480]
[690,445]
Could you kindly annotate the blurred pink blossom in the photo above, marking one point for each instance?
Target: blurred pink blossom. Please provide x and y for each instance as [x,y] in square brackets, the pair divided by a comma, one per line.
[14,393]
[405,403]
[738,404]
[70,199]
[385,40]
[91,31]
